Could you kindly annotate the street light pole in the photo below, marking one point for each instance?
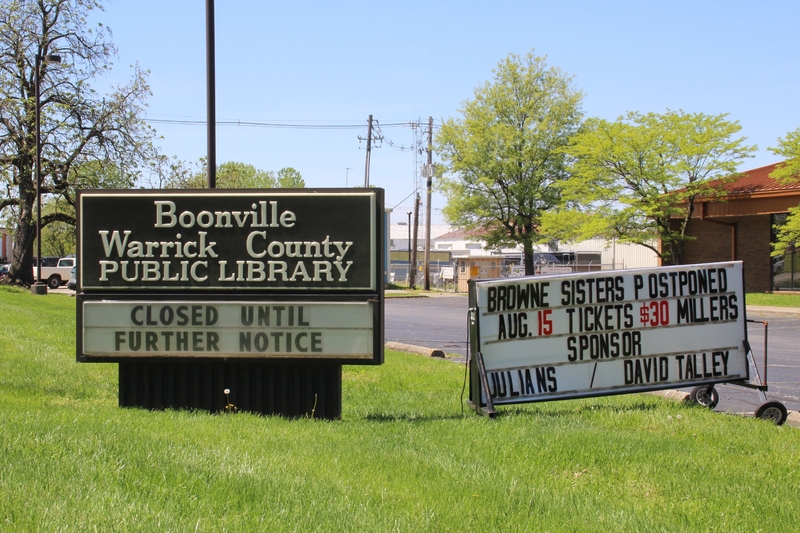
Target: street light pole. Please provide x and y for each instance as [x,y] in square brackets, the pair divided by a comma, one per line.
[39,287]
[211,99]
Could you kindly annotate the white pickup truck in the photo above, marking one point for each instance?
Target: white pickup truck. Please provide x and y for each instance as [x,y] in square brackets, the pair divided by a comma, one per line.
[56,275]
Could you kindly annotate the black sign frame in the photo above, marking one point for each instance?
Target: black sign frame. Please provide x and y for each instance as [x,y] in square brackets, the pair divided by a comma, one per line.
[236,240]
[250,245]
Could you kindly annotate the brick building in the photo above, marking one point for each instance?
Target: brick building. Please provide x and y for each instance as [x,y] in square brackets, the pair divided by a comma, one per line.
[739,226]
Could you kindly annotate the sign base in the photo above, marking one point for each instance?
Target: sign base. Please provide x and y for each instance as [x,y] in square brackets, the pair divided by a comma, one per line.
[293,390]
[39,289]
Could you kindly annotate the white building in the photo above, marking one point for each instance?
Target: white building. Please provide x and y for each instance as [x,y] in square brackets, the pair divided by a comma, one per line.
[612,254]
[619,255]
[399,235]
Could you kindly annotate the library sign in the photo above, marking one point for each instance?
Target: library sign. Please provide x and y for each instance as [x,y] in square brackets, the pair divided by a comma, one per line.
[578,335]
[219,273]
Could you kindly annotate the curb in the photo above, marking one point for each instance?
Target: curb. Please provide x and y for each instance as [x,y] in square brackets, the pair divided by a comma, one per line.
[419,293]
[793,418]
[410,348]
[762,310]
[674,395]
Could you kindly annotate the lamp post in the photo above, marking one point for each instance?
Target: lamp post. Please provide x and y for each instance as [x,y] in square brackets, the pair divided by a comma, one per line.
[39,287]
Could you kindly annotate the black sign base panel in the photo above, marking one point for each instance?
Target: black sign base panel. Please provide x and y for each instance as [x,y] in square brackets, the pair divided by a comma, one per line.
[292,390]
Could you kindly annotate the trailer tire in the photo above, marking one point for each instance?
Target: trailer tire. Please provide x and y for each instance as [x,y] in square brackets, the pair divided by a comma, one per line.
[705,395]
[774,411]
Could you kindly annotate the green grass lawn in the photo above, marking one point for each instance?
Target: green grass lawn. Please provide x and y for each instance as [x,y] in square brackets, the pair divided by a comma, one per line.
[402,458]
[773,299]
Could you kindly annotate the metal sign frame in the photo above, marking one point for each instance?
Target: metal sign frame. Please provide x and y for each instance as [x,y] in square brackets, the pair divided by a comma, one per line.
[544,338]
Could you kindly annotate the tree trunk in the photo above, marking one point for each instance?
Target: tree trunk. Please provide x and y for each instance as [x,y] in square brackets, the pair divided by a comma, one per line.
[527,253]
[21,269]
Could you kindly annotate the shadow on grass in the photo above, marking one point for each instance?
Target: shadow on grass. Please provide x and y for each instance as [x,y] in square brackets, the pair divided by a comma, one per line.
[411,417]
[530,410]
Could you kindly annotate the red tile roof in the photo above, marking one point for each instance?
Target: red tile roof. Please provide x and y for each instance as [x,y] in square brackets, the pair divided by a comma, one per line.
[758,181]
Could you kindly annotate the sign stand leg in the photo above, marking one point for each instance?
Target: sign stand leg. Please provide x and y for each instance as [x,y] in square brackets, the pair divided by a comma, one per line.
[482,388]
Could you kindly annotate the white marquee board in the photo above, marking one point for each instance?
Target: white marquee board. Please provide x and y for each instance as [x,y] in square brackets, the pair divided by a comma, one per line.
[611,332]
[242,329]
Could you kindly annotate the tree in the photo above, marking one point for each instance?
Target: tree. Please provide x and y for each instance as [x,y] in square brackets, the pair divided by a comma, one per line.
[80,129]
[789,148]
[235,175]
[641,174]
[230,175]
[505,155]
[289,178]
[788,172]
[58,237]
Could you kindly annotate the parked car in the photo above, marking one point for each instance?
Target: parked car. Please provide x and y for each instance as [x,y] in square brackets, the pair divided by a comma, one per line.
[777,265]
[73,282]
[4,270]
[46,261]
[545,259]
[54,272]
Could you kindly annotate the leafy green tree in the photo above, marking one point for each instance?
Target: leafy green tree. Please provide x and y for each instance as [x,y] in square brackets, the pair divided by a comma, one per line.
[638,177]
[58,237]
[289,178]
[788,172]
[505,156]
[235,175]
[230,175]
[789,148]
[78,125]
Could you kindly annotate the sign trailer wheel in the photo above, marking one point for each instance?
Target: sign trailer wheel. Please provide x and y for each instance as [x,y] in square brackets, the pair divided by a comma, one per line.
[774,411]
[705,395]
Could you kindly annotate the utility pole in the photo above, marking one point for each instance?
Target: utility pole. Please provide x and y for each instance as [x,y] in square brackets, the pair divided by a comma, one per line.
[369,149]
[429,172]
[412,278]
[408,271]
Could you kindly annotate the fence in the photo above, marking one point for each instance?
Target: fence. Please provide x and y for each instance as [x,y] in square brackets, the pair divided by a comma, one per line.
[398,271]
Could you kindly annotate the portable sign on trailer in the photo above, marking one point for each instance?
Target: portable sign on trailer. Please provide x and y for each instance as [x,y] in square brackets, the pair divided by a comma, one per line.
[265,293]
[543,338]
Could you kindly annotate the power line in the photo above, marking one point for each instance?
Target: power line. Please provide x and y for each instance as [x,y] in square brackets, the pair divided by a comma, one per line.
[255,124]
[404,199]
[378,136]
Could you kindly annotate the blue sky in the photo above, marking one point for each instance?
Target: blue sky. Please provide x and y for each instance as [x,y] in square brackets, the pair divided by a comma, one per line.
[335,63]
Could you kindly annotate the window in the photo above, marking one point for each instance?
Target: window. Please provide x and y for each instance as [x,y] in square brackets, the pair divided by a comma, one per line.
[784,267]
